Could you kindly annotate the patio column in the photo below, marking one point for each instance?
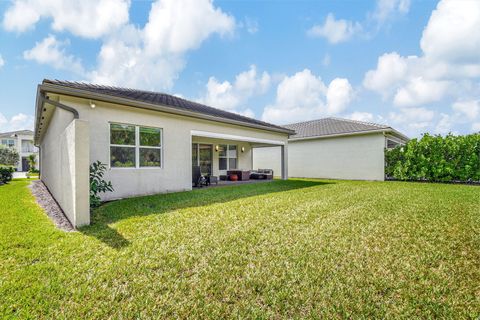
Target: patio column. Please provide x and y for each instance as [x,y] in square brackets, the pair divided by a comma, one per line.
[284,154]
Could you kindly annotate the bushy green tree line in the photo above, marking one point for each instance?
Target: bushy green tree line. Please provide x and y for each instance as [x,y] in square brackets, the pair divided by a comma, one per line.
[436,158]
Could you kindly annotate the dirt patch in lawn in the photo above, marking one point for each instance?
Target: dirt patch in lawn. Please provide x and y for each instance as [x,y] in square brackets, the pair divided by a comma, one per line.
[51,207]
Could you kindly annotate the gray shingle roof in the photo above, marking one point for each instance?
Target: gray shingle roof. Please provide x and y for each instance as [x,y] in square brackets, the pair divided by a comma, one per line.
[331,126]
[161,99]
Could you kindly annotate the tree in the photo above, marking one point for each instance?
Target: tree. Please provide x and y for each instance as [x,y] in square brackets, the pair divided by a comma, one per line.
[8,156]
[32,161]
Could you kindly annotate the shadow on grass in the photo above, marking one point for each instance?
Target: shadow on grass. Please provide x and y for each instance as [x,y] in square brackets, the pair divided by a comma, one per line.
[114,211]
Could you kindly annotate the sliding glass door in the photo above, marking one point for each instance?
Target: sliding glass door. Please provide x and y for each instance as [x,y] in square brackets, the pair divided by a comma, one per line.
[202,155]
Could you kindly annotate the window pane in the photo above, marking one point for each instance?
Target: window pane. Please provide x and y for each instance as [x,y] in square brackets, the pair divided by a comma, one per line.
[150,157]
[122,157]
[222,150]
[150,137]
[122,134]
[222,163]
[232,164]
[232,151]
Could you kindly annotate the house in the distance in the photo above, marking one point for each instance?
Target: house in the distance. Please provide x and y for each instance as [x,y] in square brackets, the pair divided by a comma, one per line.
[22,141]
[335,148]
[150,141]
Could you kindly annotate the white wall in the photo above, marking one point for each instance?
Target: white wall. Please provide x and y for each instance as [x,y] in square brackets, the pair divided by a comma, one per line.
[176,173]
[65,165]
[359,157]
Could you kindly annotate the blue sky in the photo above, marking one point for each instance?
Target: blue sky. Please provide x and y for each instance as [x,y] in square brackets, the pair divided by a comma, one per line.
[411,64]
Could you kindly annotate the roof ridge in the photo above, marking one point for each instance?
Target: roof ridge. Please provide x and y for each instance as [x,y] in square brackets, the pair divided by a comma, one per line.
[360,122]
[100,86]
[16,131]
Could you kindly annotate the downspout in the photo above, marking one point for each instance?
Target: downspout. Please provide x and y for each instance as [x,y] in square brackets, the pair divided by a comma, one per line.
[44,99]
[41,100]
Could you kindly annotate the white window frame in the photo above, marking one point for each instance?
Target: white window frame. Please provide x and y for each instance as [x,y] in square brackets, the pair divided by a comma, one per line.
[227,157]
[6,142]
[137,147]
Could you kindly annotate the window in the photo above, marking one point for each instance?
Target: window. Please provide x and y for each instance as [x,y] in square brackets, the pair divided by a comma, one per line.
[202,155]
[227,157]
[392,144]
[8,142]
[135,146]
[27,146]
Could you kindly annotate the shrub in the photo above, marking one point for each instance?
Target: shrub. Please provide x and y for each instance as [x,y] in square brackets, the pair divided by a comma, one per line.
[8,156]
[97,183]
[32,162]
[436,158]
[6,174]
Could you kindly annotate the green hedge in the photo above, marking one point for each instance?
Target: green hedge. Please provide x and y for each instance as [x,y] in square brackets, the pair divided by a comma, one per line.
[436,158]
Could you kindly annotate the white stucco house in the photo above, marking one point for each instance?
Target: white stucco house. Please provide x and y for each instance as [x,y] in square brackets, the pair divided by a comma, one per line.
[334,148]
[22,142]
[149,141]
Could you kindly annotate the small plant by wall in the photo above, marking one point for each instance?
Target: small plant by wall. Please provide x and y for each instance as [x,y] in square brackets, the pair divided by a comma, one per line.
[97,183]
[435,158]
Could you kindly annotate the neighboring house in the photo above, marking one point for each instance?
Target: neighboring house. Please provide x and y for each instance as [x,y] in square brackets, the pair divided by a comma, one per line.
[149,141]
[22,141]
[335,148]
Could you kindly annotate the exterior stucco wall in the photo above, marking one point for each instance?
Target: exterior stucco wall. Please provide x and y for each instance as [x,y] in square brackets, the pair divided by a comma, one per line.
[65,165]
[359,157]
[176,173]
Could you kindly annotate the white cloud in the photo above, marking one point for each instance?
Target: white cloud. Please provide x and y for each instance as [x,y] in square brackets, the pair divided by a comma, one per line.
[304,96]
[153,57]
[452,32]
[419,91]
[339,95]
[2,62]
[468,108]
[391,68]
[447,69]
[366,117]
[230,96]
[445,124]
[476,127]
[412,121]
[361,116]
[19,121]
[335,31]
[386,9]
[86,18]
[52,52]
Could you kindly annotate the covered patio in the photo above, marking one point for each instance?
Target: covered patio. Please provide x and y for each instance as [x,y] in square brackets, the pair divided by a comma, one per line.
[228,159]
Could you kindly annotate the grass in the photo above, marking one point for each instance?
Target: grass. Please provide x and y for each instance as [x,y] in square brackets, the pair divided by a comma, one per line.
[287,249]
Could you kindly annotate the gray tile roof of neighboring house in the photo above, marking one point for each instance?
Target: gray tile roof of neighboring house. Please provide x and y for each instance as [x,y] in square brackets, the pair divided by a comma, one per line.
[24,132]
[157,98]
[332,126]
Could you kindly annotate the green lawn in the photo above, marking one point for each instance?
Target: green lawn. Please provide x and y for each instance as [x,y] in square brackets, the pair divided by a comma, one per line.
[299,248]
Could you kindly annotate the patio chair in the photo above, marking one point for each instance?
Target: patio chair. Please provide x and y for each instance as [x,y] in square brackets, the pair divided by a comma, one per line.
[198,180]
